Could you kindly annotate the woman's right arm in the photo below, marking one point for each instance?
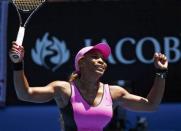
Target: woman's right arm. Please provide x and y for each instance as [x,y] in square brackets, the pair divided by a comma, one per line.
[35,94]
[40,94]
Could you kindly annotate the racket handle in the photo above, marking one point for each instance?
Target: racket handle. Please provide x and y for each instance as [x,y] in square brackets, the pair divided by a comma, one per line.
[19,40]
[20,36]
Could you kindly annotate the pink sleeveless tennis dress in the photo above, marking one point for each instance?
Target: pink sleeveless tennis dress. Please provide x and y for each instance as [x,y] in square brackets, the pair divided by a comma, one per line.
[80,116]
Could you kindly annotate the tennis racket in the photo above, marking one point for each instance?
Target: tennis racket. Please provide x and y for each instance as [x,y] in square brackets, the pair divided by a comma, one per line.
[24,8]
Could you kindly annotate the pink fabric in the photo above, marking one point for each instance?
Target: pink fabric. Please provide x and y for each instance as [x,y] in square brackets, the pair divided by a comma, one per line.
[91,118]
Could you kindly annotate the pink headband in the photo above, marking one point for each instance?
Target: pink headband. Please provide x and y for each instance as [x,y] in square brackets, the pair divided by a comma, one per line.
[103,48]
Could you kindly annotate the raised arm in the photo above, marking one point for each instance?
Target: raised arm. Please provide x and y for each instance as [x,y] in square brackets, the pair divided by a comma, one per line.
[38,94]
[154,97]
[35,94]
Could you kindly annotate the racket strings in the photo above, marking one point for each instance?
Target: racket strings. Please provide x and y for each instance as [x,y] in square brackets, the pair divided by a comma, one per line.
[27,5]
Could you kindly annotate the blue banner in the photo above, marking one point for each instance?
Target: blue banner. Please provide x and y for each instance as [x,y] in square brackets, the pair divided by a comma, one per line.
[3,44]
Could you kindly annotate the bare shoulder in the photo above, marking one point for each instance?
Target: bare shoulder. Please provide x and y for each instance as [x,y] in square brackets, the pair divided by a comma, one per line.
[62,92]
[62,86]
[59,83]
[117,91]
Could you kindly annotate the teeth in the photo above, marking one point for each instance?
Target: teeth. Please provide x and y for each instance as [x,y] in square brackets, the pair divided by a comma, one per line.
[102,68]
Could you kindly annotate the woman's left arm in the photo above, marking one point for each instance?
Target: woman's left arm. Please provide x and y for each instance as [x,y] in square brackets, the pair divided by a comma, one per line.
[154,97]
[157,91]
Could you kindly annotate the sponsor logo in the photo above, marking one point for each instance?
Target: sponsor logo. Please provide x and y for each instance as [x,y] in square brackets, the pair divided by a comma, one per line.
[169,45]
[170,48]
[53,53]
[50,53]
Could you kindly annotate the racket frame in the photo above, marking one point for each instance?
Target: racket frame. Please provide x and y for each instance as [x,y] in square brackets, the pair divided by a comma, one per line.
[21,31]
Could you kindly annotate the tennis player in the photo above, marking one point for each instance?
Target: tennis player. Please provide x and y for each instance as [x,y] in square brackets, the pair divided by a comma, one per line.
[85,102]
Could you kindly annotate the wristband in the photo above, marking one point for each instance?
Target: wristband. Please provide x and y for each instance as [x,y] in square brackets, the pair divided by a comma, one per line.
[18,66]
[162,73]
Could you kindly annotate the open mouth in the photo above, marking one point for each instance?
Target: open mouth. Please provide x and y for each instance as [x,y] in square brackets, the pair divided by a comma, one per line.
[101,68]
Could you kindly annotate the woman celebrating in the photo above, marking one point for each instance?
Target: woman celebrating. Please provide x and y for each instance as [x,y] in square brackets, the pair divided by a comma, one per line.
[86,104]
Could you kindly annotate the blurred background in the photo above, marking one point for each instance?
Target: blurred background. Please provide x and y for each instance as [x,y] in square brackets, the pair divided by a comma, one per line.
[134,30]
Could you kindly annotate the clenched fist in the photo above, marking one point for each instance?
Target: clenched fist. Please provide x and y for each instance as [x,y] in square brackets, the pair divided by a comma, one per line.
[160,61]
[16,53]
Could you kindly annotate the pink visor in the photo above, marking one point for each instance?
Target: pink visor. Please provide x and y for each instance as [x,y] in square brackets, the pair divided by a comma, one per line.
[103,48]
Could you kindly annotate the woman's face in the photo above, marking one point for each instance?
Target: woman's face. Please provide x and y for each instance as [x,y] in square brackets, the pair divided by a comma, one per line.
[93,62]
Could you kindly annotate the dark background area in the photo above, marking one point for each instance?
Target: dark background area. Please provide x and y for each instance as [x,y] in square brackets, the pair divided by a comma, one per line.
[73,22]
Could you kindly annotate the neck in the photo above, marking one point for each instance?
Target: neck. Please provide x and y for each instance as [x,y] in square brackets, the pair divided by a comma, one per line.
[88,83]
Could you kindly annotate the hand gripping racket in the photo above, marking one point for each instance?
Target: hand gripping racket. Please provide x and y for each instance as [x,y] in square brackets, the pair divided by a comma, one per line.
[24,6]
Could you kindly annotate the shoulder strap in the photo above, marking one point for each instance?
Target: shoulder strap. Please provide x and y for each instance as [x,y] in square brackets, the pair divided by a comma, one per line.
[107,93]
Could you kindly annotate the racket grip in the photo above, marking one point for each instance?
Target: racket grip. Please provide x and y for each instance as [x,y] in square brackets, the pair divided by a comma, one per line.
[20,36]
[19,40]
